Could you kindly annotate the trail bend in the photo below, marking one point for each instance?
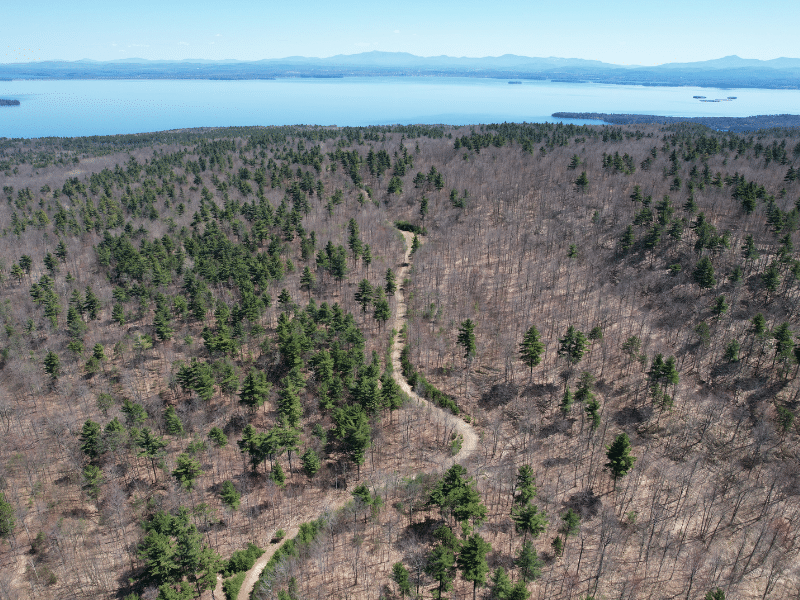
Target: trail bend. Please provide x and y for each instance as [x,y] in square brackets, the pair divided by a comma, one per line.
[458,425]
[467,431]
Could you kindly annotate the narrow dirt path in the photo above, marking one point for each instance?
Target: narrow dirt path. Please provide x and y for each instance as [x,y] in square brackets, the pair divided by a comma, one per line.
[467,432]
[470,438]
[254,573]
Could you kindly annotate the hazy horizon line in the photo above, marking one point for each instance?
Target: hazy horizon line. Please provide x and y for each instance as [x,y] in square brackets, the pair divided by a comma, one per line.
[396,53]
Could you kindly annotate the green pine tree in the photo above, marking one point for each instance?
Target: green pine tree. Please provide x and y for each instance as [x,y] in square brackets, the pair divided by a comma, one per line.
[525,488]
[771,277]
[218,437]
[703,274]
[311,462]
[202,379]
[75,325]
[152,447]
[557,544]
[528,562]
[162,322]
[352,429]
[277,475]
[7,520]
[172,423]
[307,281]
[528,520]
[441,568]
[472,561]
[531,348]
[401,578]
[391,284]
[566,401]
[290,409]
[391,396]
[582,182]
[466,338]
[570,524]
[573,345]
[91,440]
[229,496]
[366,256]
[92,480]
[620,460]
[382,312]
[61,251]
[187,470]
[255,390]
[363,295]
[118,314]
[732,350]
[720,306]
[91,304]
[423,209]
[592,408]
[500,587]
[135,414]
[52,365]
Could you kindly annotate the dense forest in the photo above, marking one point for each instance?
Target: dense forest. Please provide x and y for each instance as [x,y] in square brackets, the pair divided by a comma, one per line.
[500,361]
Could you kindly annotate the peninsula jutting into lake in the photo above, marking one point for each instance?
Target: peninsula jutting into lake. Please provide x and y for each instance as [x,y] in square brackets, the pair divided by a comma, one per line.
[736,124]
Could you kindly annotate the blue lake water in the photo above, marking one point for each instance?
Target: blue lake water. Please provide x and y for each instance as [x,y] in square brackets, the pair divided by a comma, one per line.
[104,107]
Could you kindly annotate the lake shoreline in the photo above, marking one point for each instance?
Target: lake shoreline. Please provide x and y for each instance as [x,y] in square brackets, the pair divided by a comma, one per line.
[109,107]
[734,124]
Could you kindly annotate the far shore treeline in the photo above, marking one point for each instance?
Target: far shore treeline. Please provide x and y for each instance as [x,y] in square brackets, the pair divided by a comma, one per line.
[728,72]
[734,124]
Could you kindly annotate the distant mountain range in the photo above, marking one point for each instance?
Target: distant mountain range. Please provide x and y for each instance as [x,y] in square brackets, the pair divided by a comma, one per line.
[730,71]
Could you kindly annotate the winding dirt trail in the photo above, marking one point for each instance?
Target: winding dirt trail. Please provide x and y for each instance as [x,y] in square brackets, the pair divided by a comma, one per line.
[467,432]
[254,573]
[470,438]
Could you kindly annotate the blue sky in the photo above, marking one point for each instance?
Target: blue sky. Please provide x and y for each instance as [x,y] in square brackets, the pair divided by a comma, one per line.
[625,32]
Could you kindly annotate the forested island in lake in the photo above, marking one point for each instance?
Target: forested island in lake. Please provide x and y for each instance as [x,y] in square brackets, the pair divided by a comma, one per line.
[737,124]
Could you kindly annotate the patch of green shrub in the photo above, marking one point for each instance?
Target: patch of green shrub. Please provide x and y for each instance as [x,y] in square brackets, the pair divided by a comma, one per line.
[232,585]
[417,381]
[242,560]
